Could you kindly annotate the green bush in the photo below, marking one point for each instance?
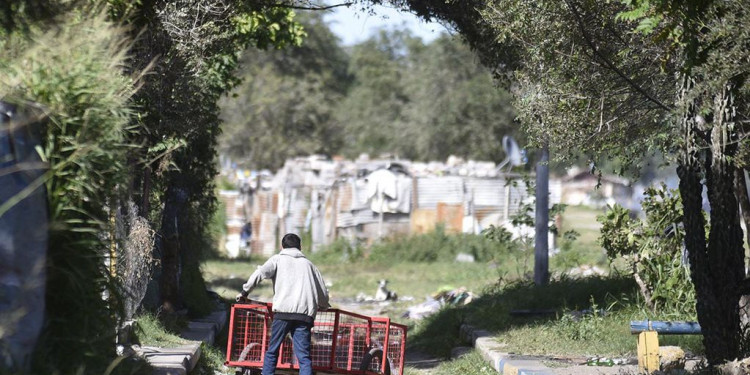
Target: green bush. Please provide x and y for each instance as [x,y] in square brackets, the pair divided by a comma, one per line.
[196,245]
[217,230]
[470,364]
[653,249]
[589,325]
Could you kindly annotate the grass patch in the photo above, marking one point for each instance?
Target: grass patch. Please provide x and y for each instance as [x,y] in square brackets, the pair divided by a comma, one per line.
[438,246]
[153,332]
[348,279]
[211,362]
[584,250]
[226,276]
[612,303]
[470,364]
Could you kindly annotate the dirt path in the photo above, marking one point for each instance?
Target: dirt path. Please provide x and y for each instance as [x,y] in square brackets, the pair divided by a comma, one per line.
[420,363]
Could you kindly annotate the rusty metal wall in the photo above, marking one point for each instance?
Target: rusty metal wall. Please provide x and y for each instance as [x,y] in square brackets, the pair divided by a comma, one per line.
[451,216]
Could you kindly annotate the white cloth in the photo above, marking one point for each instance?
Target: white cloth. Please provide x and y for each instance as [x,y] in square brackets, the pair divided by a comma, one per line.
[388,192]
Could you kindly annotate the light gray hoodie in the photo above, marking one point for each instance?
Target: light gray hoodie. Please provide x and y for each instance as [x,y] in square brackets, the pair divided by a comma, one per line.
[298,287]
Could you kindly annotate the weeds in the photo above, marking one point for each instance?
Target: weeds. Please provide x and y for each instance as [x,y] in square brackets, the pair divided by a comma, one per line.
[470,364]
[153,332]
[211,362]
[73,73]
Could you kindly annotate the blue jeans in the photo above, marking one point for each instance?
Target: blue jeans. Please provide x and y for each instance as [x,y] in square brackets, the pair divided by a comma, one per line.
[301,340]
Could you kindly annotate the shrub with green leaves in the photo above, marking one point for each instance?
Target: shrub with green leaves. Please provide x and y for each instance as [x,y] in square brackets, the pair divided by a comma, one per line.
[74,74]
[653,249]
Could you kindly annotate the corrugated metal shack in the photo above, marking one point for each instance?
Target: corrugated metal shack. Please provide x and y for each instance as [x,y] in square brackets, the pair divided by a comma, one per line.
[364,200]
[234,206]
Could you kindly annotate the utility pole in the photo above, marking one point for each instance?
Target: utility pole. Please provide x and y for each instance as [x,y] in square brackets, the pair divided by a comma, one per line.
[541,239]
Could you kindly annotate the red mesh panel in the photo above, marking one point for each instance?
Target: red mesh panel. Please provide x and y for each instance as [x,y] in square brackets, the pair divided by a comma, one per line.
[249,331]
[351,341]
[340,341]
[396,347]
[322,339]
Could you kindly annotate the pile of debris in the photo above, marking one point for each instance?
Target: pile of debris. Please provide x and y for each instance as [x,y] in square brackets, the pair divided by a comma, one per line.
[444,296]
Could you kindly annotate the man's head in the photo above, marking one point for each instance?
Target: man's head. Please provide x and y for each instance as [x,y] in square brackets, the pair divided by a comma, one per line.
[291,240]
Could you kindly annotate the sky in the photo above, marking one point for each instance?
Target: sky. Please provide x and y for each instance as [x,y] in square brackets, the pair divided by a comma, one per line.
[353,25]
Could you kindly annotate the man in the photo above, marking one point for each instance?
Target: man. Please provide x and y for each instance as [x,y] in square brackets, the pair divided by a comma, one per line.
[298,293]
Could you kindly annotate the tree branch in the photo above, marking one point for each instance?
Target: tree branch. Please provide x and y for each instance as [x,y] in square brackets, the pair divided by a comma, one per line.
[313,7]
[609,64]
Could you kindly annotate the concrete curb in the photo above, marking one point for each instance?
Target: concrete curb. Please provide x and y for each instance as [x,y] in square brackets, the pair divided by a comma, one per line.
[183,359]
[504,363]
[172,361]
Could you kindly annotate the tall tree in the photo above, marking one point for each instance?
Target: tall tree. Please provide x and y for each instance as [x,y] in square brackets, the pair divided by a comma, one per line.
[424,101]
[191,48]
[373,109]
[607,84]
[456,108]
[69,75]
[285,105]
[391,94]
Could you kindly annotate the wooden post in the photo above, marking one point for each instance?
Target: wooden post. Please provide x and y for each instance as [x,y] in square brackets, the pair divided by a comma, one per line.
[506,215]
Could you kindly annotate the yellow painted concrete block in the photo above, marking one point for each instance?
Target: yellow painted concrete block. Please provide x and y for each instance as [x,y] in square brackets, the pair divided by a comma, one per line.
[648,351]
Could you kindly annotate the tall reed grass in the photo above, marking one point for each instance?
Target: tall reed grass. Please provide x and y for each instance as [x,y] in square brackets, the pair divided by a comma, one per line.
[74,72]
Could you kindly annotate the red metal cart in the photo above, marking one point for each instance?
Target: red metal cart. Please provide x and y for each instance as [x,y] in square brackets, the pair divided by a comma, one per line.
[342,342]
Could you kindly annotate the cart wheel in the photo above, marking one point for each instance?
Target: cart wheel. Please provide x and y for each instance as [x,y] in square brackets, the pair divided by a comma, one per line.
[246,351]
[247,371]
[375,353]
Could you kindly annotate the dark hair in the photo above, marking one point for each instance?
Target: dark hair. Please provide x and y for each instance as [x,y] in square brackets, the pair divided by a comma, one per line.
[290,240]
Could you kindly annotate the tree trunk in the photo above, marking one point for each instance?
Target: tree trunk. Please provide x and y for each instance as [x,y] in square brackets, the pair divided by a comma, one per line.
[725,265]
[740,190]
[541,239]
[717,267]
[725,249]
[695,242]
[169,283]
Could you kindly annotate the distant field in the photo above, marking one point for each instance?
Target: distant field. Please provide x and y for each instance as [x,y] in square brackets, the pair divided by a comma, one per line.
[412,281]
[584,250]
[418,280]
[583,220]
